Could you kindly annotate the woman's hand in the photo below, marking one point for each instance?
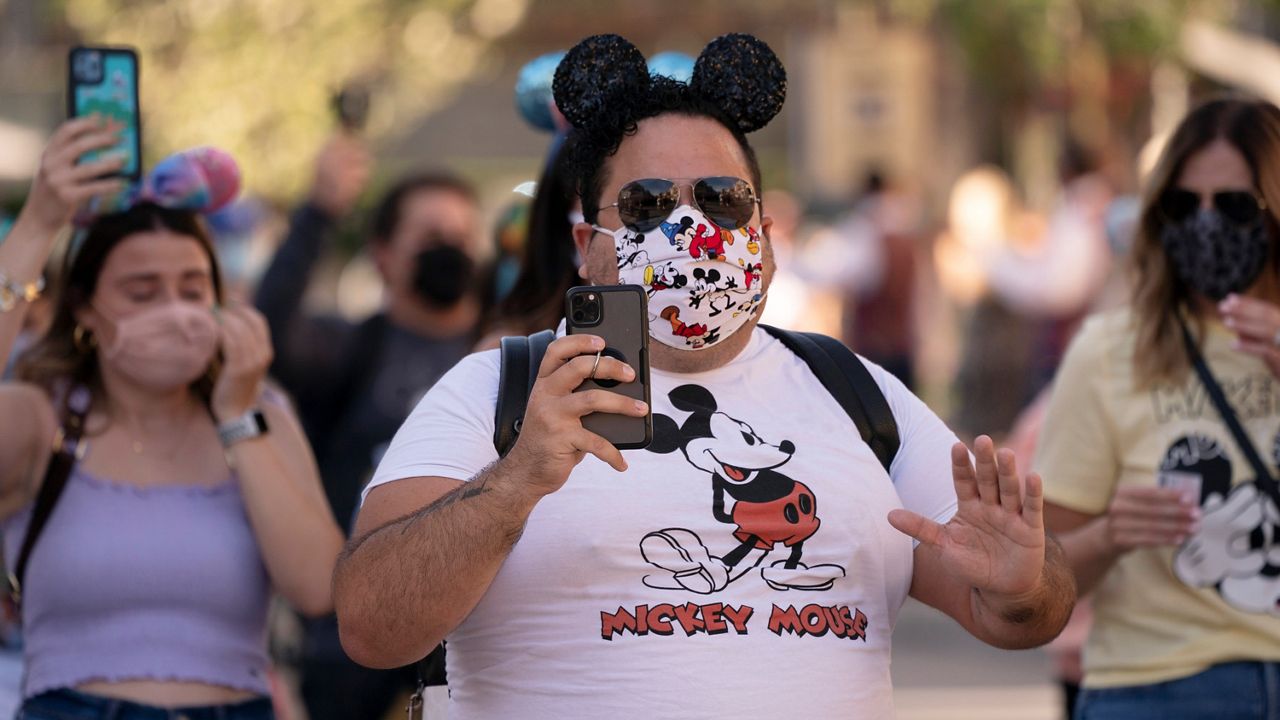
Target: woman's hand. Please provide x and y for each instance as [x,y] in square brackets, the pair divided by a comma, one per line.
[63,183]
[1142,517]
[1256,324]
[246,355]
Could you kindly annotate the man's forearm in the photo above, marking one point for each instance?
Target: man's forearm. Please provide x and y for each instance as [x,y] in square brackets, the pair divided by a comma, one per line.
[1034,618]
[400,589]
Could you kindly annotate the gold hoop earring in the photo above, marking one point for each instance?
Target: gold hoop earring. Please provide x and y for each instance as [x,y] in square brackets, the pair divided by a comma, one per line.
[83,339]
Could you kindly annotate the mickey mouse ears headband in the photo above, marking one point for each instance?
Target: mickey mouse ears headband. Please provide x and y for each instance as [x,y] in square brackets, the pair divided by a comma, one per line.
[739,74]
[534,100]
[202,180]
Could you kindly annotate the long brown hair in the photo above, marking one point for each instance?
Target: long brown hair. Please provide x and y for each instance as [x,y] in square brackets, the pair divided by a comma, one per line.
[59,358]
[1252,127]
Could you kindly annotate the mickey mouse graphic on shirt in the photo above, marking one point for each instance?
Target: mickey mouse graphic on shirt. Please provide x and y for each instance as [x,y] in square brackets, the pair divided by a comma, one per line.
[749,491]
[1236,551]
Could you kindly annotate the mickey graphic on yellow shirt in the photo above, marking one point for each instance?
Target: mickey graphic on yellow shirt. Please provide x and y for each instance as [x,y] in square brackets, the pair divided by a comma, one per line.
[1236,549]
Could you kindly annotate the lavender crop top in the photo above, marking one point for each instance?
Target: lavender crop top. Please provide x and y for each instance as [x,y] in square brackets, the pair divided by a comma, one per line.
[127,583]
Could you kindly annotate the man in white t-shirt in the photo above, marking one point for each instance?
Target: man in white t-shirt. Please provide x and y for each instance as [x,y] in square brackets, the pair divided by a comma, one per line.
[752,560]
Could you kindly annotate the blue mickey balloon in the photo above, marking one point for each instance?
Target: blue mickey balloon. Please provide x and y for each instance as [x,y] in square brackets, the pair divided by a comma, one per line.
[675,65]
[533,91]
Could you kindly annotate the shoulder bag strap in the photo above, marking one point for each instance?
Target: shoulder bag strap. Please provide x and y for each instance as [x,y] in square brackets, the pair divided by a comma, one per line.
[1266,482]
[66,452]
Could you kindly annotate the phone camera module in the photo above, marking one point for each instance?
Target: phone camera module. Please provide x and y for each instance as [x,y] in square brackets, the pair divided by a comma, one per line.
[585,309]
[88,67]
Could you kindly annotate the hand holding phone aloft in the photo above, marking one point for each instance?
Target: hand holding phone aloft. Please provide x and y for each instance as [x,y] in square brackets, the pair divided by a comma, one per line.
[103,82]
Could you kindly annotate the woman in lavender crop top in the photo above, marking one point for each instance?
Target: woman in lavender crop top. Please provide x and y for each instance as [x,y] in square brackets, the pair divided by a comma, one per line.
[146,594]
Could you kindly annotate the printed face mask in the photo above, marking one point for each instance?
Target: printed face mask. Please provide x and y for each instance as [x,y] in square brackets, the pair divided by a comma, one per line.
[704,283]
[1215,256]
[164,347]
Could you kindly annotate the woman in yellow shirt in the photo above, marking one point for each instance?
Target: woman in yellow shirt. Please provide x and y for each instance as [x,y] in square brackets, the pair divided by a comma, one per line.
[1159,450]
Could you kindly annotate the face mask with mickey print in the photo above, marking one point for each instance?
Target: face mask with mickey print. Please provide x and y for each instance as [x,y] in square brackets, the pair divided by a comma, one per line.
[703,282]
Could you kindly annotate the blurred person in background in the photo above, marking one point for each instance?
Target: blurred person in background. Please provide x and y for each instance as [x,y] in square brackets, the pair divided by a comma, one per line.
[879,313]
[549,265]
[354,383]
[796,300]
[510,236]
[1159,445]
[1031,278]
[1055,277]
[189,494]
[982,218]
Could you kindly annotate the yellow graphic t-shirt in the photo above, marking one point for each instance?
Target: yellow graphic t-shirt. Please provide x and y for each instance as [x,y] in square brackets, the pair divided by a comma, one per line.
[1167,613]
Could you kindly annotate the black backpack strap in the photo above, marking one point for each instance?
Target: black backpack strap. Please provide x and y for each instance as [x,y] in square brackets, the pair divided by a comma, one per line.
[66,451]
[521,358]
[845,376]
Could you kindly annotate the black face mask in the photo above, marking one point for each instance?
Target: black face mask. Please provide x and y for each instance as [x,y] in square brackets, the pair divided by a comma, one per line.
[1215,256]
[444,275]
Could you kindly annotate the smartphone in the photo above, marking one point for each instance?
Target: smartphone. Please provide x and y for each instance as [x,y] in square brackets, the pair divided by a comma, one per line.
[620,315]
[104,81]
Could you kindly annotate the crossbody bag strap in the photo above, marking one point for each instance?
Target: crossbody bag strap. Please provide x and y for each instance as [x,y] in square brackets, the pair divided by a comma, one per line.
[66,451]
[1266,482]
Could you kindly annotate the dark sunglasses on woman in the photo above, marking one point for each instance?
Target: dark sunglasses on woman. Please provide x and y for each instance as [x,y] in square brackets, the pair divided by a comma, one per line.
[727,201]
[1238,206]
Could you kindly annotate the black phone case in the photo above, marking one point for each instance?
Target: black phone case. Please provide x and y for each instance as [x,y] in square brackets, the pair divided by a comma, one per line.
[624,325]
[73,111]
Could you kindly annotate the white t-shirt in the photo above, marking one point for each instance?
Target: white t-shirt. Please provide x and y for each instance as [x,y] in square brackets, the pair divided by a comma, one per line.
[626,597]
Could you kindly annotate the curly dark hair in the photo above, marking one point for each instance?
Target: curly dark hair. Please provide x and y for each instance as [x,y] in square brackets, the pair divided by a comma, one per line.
[604,88]
[587,159]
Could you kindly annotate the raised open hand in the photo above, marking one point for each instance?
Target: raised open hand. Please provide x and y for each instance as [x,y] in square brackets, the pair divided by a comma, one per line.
[995,542]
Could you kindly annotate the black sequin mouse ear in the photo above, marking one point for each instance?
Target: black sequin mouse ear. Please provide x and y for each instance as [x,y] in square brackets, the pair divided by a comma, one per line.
[742,76]
[597,76]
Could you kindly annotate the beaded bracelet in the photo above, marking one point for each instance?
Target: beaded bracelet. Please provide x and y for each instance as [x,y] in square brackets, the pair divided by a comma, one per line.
[11,293]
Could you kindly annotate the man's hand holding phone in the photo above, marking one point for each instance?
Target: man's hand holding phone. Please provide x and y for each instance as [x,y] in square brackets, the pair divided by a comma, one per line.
[552,439]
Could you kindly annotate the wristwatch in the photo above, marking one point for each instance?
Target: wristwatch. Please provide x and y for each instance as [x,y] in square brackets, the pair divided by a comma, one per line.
[249,425]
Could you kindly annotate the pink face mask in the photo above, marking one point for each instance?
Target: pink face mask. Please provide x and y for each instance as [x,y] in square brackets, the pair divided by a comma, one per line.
[163,347]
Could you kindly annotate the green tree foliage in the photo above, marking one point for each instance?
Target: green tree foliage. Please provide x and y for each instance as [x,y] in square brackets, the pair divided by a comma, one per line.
[257,76]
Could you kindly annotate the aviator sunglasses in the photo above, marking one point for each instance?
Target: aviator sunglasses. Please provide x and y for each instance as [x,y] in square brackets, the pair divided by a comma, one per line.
[644,204]
[1239,206]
